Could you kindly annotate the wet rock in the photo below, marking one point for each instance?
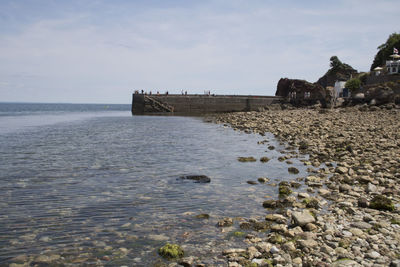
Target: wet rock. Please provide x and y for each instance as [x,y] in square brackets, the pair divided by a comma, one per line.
[187,261]
[278,218]
[247,159]
[202,216]
[252,182]
[284,190]
[293,170]
[171,251]
[270,204]
[225,222]
[263,180]
[264,159]
[197,178]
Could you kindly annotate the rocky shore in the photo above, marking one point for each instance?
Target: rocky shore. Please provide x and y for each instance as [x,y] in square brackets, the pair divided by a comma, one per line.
[349,214]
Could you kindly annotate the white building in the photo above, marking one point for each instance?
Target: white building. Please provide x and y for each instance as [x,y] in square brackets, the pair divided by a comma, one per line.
[393,66]
[339,86]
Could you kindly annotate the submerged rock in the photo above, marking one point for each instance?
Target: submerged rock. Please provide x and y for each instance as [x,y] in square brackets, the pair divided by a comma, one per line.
[247,159]
[293,170]
[197,178]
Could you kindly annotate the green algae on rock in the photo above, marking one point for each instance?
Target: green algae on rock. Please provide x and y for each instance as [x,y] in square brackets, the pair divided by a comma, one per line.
[171,251]
[380,202]
[247,159]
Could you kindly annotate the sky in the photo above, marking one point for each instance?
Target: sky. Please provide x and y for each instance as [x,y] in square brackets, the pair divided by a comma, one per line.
[94,51]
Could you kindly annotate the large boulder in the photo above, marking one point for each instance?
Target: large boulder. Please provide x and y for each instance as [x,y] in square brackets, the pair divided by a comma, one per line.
[301,92]
[381,94]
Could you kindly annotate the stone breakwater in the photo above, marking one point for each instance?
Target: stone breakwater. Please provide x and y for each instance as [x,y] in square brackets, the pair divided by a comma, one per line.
[349,214]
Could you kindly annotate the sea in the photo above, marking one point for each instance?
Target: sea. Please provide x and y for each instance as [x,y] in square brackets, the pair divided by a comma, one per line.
[87,184]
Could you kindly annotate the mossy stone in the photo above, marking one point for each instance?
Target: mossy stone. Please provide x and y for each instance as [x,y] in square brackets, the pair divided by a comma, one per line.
[284,190]
[246,159]
[380,202]
[239,234]
[202,216]
[171,251]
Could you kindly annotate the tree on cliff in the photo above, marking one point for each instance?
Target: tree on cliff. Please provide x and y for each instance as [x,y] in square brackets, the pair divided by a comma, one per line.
[385,50]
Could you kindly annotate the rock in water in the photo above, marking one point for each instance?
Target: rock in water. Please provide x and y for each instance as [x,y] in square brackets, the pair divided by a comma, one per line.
[197,178]
[171,251]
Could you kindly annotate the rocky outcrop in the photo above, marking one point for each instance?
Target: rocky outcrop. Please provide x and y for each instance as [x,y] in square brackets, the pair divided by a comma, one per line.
[379,94]
[301,92]
[338,72]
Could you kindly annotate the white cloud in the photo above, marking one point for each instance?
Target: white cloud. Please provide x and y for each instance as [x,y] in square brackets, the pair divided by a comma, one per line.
[226,46]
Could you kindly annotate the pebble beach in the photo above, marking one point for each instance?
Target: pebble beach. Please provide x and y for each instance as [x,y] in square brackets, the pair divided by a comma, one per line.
[349,213]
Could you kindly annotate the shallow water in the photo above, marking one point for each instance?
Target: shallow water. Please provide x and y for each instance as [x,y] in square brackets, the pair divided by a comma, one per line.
[93,183]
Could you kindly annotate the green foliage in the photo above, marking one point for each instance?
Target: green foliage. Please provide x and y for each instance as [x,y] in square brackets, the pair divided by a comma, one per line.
[353,84]
[335,62]
[385,50]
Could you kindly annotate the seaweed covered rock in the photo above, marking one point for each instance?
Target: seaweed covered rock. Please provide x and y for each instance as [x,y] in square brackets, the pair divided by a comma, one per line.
[171,251]
[380,202]
[247,159]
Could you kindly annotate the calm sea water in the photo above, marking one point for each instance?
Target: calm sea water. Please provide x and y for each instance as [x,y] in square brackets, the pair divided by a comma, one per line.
[91,183]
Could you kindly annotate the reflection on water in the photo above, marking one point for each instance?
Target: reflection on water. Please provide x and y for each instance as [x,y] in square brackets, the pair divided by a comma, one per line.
[107,186]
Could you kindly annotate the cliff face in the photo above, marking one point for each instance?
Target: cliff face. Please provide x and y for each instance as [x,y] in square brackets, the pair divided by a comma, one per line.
[338,71]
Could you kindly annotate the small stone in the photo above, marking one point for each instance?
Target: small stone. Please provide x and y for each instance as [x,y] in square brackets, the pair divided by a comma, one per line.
[289,246]
[276,218]
[264,159]
[362,202]
[310,227]
[274,250]
[303,195]
[187,261]
[309,243]
[361,225]
[225,222]
[373,255]
[263,180]
[297,261]
[341,170]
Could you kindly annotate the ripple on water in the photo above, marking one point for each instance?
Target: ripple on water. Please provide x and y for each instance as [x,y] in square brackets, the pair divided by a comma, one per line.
[113,182]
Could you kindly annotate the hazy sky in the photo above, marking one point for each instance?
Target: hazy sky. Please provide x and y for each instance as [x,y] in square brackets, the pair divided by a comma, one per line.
[100,51]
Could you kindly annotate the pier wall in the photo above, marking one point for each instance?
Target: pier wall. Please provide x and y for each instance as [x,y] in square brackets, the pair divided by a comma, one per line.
[201,104]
